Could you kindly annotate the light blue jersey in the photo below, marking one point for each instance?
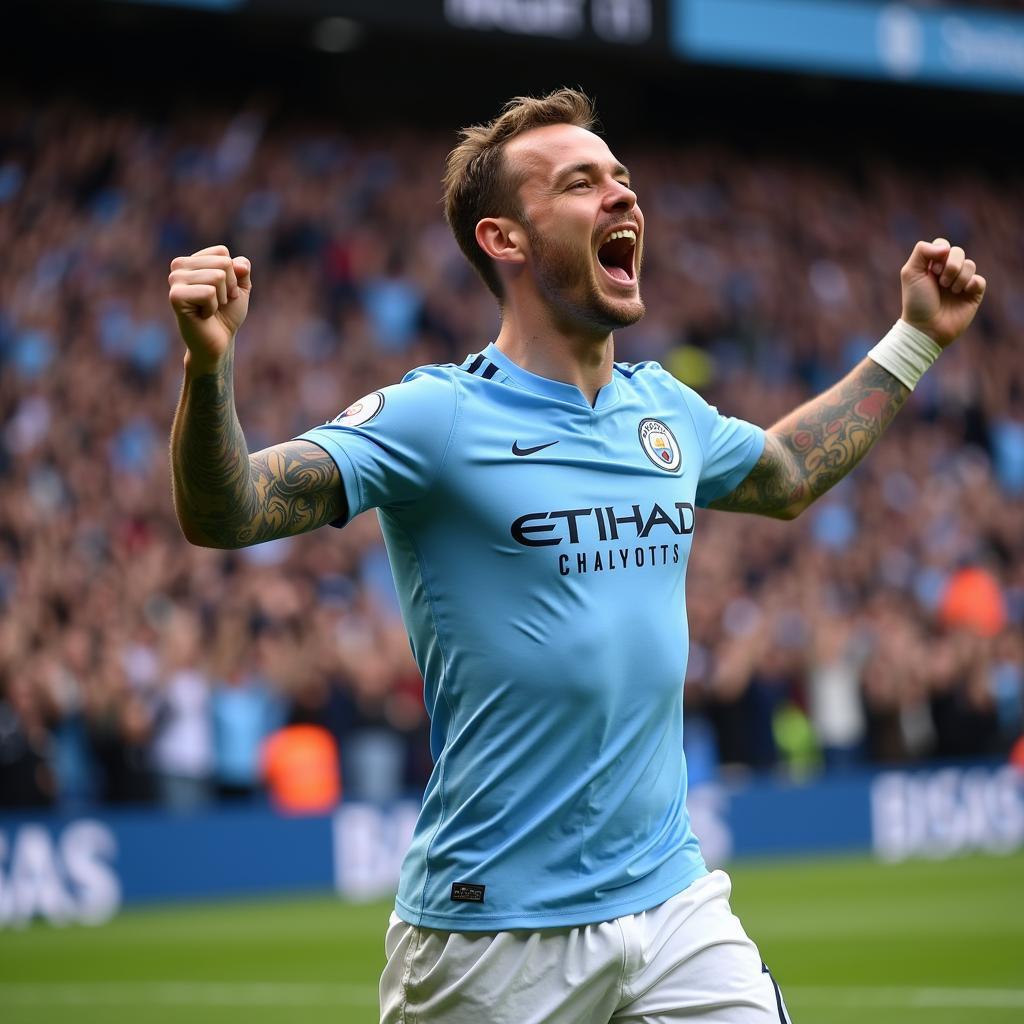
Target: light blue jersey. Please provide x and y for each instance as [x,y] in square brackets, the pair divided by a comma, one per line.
[539,547]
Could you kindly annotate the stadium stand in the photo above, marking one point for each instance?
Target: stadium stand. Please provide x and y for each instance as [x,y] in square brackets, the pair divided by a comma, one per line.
[134,667]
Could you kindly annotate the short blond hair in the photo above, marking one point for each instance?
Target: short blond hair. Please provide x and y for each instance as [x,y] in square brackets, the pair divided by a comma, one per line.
[477,181]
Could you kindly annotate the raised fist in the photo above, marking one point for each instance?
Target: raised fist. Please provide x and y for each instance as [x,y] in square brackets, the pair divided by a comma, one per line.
[210,297]
[942,290]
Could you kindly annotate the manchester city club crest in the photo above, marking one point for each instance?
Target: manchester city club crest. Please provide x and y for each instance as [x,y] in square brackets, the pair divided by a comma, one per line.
[362,411]
[660,445]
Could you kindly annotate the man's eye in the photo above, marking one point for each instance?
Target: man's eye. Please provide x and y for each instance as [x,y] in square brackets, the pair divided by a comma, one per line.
[579,184]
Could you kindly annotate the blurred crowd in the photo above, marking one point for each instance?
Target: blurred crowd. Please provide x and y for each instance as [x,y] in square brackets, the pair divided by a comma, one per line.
[883,626]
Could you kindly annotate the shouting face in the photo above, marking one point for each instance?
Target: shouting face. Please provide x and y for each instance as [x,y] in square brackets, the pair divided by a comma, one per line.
[583,226]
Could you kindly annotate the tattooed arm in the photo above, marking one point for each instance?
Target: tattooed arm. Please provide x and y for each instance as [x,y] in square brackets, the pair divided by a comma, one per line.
[813,448]
[227,498]
[224,497]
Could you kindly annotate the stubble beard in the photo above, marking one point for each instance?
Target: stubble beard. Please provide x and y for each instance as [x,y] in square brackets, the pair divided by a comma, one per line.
[566,279]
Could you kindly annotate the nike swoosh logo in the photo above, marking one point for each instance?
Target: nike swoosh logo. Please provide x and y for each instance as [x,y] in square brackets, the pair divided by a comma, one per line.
[516,450]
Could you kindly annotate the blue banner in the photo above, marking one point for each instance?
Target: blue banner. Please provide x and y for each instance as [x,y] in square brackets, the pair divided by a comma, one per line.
[952,46]
[83,869]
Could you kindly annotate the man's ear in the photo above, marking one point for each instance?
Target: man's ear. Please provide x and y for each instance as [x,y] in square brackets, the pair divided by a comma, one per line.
[502,238]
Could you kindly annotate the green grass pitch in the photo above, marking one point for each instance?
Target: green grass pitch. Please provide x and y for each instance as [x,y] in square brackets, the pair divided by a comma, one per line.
[849,941]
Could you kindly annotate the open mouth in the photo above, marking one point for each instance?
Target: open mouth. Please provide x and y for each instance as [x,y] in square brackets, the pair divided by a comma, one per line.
[616,255]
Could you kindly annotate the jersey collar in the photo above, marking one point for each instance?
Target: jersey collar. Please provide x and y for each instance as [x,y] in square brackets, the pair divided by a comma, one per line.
[557,389]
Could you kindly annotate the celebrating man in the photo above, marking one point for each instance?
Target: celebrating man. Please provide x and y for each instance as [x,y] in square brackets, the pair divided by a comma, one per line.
[537,502]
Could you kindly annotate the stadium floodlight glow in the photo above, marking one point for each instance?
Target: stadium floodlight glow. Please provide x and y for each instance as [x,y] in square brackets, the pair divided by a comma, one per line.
[337,35]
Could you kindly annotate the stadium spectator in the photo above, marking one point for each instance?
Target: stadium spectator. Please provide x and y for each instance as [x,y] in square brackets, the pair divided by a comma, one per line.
[26,778]
[245,709]
[300,766]
[183,753]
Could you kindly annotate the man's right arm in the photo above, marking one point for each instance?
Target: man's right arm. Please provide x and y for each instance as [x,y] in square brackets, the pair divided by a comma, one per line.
[227,498]
[224,497]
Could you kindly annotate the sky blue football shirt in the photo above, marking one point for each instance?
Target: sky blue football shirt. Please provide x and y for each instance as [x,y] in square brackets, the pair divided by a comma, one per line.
[539,548]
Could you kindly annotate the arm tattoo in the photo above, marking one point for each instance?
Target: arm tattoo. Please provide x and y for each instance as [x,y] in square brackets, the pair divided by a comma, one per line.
[813,448]
[226,498]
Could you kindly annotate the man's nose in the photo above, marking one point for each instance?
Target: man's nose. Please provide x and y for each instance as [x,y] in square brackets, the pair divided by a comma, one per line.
[620,197]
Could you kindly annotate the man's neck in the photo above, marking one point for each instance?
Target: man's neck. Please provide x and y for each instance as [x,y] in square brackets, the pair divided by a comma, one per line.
[553,351]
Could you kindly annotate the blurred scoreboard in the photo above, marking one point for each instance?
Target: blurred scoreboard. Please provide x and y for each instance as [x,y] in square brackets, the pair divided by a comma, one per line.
[636,24]
[967,46]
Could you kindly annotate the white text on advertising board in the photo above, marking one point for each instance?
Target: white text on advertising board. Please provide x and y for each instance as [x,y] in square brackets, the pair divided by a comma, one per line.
[64,878]
[948,812]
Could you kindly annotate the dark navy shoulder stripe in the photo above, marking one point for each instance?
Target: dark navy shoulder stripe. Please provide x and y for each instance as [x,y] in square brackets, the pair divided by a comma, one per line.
[481,367]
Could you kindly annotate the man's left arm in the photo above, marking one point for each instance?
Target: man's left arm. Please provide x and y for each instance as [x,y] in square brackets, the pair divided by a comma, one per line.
[815,446]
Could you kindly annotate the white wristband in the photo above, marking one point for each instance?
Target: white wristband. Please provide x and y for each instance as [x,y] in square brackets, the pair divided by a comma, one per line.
[906,353]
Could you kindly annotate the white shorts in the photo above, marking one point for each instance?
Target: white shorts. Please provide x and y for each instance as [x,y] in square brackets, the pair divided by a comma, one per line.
[687,959]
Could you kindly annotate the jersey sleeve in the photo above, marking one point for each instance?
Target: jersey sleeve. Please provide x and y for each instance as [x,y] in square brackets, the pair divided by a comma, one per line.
[390,445]
[731,448]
